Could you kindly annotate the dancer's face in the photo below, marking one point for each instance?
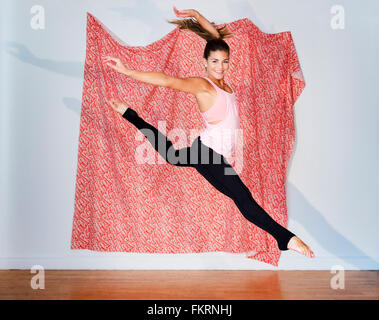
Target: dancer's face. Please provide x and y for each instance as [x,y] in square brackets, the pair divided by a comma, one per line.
[217,64]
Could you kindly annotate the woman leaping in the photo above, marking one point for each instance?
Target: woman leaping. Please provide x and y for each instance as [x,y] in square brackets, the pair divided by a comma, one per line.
[217,104]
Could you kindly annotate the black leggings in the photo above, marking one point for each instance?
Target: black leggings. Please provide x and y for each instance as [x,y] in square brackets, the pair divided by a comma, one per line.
[215,168]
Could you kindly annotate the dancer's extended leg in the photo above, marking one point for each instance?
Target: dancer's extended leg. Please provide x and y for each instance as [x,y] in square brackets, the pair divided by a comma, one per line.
[232,186]
[163,145]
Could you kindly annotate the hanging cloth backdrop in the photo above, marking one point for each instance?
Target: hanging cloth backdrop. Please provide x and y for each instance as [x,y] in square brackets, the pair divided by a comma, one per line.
[155,207]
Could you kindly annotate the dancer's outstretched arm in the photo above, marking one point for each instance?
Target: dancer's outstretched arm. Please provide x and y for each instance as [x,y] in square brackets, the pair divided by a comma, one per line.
[192,85]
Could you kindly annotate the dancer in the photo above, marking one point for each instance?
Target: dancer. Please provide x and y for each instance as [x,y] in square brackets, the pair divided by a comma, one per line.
[217,104]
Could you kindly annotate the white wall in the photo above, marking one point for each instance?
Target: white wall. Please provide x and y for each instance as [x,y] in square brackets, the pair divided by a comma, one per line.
[333,173]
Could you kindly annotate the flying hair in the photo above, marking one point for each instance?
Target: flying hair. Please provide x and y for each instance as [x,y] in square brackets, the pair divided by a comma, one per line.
[194,26]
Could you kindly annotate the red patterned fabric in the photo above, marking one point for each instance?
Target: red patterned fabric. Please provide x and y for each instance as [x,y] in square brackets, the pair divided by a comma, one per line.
[123,205]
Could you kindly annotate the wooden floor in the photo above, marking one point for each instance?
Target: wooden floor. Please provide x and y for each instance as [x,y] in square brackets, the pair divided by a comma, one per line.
[188,285]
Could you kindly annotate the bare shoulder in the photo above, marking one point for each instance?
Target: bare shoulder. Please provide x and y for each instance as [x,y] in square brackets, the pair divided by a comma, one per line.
[194,85]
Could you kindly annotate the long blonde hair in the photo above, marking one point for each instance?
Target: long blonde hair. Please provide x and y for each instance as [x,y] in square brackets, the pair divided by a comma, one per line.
[194,26]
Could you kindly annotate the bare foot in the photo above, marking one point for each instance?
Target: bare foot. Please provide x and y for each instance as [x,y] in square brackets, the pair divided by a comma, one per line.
[297,245]
[118,106]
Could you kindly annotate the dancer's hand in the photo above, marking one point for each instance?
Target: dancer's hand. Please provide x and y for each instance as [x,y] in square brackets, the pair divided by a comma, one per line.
[118,65]
[118,106]
[186,13]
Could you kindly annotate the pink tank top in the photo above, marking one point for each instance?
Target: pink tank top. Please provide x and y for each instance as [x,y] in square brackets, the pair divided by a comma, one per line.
[222,136]
[219,108]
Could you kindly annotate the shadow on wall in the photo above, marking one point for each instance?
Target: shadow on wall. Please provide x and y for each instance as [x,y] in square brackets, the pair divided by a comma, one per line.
[21,52]
[305,214]
[327,237]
